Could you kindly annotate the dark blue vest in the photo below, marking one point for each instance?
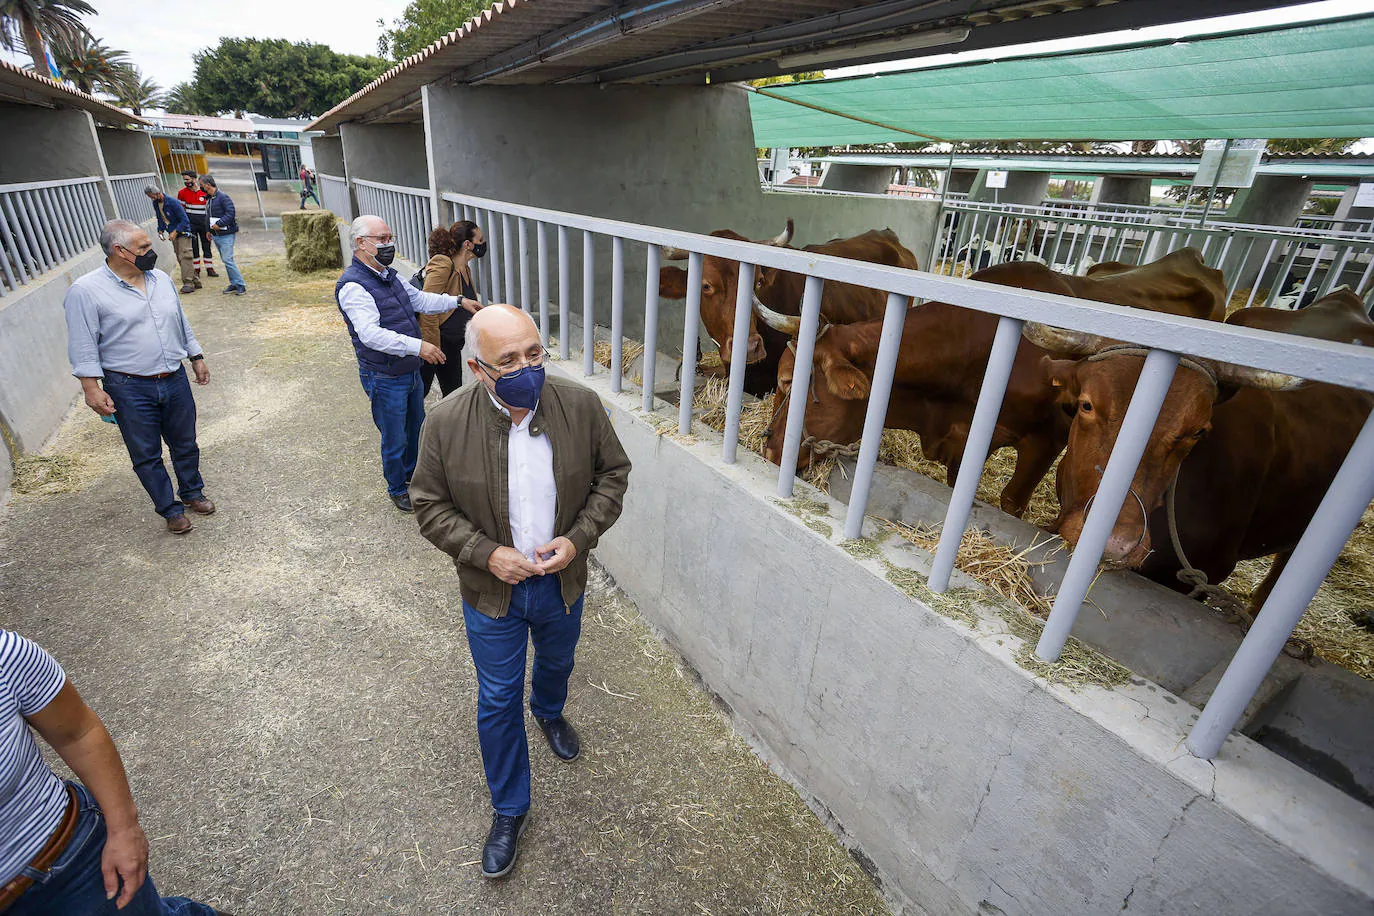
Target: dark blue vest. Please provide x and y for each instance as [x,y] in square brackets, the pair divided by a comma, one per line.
[395,311]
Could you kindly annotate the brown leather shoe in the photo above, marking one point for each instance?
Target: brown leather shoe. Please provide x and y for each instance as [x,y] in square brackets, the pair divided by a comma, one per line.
[178,524]
[201,506]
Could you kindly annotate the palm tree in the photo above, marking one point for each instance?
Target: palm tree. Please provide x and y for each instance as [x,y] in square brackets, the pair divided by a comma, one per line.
[139,93]
[36,23]
[181,99]
[89,65]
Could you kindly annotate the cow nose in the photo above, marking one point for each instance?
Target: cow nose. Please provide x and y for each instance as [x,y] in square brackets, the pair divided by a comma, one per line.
[1126,547]
[725,350]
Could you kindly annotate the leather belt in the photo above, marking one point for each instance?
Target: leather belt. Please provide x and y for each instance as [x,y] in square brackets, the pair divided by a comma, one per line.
[132,375]
[47,856]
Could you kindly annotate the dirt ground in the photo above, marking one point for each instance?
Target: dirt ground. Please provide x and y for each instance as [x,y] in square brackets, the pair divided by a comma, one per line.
[291,689]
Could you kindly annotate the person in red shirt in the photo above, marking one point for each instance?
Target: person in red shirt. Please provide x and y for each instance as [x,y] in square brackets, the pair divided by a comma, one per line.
[193,199]
[308,187]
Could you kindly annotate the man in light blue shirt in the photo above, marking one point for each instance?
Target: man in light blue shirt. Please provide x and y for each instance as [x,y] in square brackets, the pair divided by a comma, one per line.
[125,326]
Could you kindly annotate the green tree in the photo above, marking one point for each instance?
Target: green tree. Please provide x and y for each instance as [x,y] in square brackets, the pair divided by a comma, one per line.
[182,99]
[278,78]
[88,65]
[139,93]
[422,23]
[37,23]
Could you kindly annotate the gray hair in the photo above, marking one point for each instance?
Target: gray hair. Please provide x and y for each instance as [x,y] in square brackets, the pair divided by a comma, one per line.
[117,232]
[359,228]
[210,180]
[152,189]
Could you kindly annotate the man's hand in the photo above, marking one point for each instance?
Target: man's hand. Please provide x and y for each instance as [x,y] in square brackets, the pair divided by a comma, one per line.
[471,305]
[162,235]
[125,858]
[202,372]
[557,554]
[432,354]
[174,236]
[99,401]
[510,566]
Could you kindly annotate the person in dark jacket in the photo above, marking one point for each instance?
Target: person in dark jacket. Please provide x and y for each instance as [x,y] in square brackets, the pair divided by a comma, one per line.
[193,199]
[174,224]
[380,311]
[224,227]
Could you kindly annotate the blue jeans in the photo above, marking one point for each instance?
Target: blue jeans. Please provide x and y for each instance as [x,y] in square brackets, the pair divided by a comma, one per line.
[225,244]
[149,411]
[75,885]
[498,652]
[398,409]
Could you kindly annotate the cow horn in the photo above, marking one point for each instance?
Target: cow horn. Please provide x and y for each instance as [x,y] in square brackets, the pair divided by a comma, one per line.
[674,254]
[788,324]
[1063,343]
[783,238]
[1246,377]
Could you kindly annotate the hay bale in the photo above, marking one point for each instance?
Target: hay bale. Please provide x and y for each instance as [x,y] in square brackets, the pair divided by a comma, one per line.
[312,240]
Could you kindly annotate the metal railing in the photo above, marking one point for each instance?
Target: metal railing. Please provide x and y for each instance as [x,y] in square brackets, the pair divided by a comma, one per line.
[1295,265]
[406,211]
[900,192]
[130,201]
[1166,337]
[1337,224]
[334,195]
[43,224]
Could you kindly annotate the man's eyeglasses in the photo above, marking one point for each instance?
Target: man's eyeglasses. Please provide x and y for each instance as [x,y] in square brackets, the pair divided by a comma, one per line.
[383,239]
[515,366]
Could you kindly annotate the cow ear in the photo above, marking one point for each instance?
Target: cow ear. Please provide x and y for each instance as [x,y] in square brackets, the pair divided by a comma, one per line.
[672,283]
[843,378]
[1062,375]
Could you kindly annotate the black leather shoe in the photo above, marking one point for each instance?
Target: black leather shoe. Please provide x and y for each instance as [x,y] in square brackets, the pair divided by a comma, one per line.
[562,737]
[503,844]
[403,502]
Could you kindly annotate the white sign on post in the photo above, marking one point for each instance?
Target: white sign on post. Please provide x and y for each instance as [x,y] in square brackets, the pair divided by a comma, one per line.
[1364,194]
[997,178]
[1237,171]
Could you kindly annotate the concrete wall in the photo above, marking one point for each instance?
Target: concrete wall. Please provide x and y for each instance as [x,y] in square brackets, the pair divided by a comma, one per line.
[67,139]
[1022,188]
[36,385]
[329,155]
[1118,189]
[127,152]
[389,153]
[969,784]
[866,179]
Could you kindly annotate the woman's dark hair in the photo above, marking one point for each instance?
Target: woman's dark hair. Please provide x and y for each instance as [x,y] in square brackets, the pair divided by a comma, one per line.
[462,231]
[441,242]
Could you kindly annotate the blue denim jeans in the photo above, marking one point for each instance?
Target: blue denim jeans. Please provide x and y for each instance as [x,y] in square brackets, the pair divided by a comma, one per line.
[75,885]
[225,244]
[398,409]
[498,652]
[151,411]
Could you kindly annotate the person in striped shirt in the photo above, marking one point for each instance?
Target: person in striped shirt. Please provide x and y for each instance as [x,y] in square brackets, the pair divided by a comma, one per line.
[193,199]
[74,848]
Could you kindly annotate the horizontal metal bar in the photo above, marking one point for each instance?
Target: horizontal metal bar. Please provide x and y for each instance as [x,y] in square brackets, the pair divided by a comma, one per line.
[399,189]
[137,175]
[37,185]
[1318,360]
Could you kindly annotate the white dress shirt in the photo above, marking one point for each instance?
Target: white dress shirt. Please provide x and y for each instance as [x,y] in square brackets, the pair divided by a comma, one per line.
[533,493]
[361,309]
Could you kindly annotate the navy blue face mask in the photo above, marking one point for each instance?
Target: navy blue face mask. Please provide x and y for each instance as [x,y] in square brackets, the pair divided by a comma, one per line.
[521,389]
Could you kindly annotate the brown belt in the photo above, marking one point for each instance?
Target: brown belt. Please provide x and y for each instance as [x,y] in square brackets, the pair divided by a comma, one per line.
[131,375]
[48,855]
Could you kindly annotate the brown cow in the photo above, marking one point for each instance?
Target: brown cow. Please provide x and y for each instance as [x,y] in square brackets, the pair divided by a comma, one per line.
[841,303]
[945,352]
[1250,453]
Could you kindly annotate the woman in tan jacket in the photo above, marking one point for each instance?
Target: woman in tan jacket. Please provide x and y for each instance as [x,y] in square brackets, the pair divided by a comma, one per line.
[451,252]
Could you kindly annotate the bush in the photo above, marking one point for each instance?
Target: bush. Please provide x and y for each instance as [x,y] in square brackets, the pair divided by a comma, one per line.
[312,240]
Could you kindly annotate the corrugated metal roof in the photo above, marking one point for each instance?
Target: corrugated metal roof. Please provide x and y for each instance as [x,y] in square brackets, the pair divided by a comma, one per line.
[29,88]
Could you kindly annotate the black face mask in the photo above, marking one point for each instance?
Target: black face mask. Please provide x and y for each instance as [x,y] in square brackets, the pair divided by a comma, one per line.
[479,251]
[145,261]
[385,254]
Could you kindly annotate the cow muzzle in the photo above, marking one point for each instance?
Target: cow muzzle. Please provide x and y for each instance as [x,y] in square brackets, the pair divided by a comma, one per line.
[754,353]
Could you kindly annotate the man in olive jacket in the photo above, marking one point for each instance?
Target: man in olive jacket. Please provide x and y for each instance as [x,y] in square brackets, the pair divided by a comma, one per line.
[518,476]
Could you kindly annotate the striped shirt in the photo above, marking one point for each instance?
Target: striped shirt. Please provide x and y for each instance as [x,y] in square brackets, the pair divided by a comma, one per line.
[194,202]
[32,798]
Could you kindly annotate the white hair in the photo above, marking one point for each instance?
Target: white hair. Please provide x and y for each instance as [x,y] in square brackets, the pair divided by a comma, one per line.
[151,190]
[117,232]
[360,227]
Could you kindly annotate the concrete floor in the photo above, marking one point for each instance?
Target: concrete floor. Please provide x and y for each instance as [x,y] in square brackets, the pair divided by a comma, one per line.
[291,689]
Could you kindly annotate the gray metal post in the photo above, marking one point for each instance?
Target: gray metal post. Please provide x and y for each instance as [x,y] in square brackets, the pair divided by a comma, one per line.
[734,401]
[990,396]
[879,396]
[564,294]
[1221,163]
[1340,510]
[541,244]
[495,245]
[801,381]
[691,327]
[1150,389]
[508,258]
[524,266]
[588,305]
[617,312]
[650,326]
[940,213]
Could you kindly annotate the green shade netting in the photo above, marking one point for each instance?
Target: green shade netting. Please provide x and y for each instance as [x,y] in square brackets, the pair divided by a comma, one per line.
[1302,81]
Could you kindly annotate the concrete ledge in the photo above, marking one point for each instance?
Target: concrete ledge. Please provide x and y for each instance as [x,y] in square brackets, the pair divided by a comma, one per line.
[969,785]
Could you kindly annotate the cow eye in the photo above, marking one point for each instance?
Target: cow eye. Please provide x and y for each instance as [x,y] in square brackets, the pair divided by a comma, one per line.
[1085,406]
[707,288]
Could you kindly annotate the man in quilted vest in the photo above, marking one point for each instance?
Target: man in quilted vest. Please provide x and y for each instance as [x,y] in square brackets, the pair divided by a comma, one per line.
[379,309]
